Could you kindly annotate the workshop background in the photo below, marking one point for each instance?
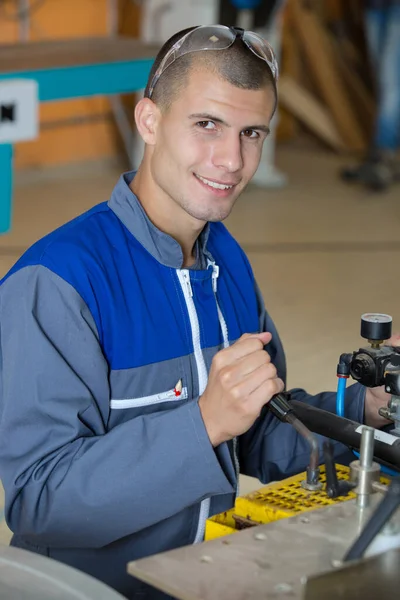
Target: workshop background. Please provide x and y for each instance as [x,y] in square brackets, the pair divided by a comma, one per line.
[324,251]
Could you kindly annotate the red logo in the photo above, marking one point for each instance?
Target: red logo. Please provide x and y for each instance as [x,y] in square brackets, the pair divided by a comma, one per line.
[178,388]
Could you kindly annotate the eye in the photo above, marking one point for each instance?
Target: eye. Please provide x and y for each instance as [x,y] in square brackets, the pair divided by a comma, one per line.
[250,133]
[206,124]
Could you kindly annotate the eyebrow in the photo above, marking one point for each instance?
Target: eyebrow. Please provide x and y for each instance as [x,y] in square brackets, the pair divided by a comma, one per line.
[208,117]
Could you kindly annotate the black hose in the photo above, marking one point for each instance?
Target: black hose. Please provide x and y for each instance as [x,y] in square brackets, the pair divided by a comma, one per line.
[380,516]
[344,430]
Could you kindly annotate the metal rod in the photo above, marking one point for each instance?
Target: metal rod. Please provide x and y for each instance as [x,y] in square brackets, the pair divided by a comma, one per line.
[309,436]
[312,479]
[367,447]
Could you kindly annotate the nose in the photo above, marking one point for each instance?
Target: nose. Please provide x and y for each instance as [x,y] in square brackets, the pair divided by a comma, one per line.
[228,154]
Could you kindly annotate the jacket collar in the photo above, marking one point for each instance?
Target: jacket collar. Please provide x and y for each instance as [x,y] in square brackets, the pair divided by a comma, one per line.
[160,245]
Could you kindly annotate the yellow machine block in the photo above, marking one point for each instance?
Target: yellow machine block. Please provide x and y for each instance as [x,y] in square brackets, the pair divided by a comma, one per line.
[276,501]
[220,525]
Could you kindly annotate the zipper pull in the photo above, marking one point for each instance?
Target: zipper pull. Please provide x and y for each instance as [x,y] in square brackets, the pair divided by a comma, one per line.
[215,275]
[186,277]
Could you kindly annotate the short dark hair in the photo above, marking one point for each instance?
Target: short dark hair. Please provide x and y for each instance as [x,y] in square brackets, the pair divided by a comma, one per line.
[237,65]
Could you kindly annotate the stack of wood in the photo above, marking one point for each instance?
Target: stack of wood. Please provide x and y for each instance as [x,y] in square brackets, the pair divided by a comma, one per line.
[326,83]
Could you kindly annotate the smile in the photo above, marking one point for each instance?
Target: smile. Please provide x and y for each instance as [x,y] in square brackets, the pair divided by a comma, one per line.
[214,184]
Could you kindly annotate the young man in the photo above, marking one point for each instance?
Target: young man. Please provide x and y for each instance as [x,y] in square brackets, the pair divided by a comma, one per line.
[136,351]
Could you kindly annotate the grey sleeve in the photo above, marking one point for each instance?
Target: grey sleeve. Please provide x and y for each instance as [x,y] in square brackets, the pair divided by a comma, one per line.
[272,450]
[68,481]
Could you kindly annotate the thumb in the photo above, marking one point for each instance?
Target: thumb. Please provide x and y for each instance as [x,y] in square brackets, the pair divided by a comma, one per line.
[266,337]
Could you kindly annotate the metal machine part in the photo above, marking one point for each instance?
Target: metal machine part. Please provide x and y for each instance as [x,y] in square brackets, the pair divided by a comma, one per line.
[394,414]
[376,327]
[311,482]
[380,531]
[249,563]
[317,546]
[376,365]
[334,487]
[379,523]
[392,386]
[368,365]
[283,410]
[348,432]
[376,577]
[28,576]
[364,472]
[371,366]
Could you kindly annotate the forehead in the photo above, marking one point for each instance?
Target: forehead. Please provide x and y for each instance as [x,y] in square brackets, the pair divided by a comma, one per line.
[206,92]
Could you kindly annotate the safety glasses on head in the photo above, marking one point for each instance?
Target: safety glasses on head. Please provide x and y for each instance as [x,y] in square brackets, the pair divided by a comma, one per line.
[215,37]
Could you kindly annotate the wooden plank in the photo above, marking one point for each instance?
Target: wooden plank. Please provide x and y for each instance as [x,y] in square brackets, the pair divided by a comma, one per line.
[357,89]
[321,61]
[66,53]
[309,111]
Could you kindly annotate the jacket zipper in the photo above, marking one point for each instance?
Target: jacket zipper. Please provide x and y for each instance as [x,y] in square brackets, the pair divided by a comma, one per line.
[222,322]
[184,280]
[224,329]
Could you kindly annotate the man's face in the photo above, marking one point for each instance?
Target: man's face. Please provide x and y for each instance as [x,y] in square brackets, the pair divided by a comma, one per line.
[208,144]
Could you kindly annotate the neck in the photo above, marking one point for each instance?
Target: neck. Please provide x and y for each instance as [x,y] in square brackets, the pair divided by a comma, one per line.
[166,214]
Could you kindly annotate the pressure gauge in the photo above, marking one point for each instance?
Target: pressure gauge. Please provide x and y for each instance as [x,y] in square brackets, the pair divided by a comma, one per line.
[376,326]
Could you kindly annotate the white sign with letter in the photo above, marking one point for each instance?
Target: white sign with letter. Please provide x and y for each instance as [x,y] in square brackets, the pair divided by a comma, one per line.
[19,110]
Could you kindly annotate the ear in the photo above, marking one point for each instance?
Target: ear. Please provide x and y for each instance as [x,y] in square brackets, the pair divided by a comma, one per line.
[147,116]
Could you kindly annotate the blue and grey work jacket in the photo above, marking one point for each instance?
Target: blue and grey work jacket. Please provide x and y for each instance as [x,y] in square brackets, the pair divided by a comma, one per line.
[106,345]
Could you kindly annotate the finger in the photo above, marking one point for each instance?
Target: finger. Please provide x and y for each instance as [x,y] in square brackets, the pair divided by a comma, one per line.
[238,350]
[249,363]
[237,371]
[267,390]
[249,384]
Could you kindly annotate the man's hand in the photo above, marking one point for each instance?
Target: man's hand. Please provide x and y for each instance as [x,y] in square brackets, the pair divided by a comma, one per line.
[242,379]
[375,398]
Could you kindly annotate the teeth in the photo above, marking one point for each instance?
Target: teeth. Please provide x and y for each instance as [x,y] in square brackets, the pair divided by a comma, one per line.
[217,186]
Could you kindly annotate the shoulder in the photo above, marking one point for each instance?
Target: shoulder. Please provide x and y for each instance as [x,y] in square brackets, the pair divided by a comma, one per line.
[71,244]
[67,267]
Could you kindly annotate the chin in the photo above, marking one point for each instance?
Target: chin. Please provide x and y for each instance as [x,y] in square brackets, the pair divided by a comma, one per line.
[212,216]
[217,218]
[213,211]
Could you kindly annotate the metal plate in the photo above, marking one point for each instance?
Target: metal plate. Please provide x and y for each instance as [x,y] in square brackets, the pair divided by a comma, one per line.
[28,576]
[267,562]
[372,578]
